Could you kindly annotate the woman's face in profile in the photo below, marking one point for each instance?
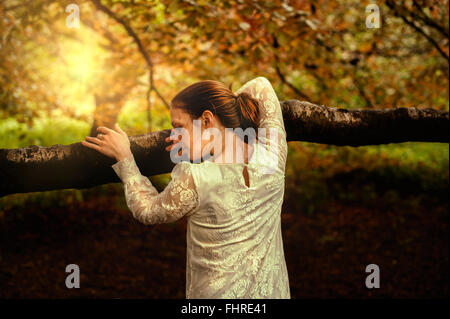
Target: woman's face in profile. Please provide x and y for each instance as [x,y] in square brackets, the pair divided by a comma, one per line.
[182,127]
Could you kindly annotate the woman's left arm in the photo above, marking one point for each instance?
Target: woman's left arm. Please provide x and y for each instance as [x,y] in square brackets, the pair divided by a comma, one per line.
[150,207]
[147,205]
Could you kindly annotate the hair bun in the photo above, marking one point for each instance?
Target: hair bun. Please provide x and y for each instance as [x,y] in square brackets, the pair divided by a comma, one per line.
[249,110]
[238,97]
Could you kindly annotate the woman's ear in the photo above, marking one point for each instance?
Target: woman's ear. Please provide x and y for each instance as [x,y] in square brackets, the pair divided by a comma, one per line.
[207,119]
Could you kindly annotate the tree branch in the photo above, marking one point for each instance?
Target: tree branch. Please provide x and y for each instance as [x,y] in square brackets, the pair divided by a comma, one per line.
[427,20]
[393,6]
[37,168]
[289,84]
[148,61]
[280,74]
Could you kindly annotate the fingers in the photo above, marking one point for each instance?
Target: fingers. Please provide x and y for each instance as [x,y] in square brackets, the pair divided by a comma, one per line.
[91,145]
[174,143]
[169,148]
[118,129]
[94,140]
[104,130]
[173,137]
[167,140]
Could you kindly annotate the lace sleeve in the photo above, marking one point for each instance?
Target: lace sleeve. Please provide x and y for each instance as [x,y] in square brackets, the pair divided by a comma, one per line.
[271,116]
[148,206]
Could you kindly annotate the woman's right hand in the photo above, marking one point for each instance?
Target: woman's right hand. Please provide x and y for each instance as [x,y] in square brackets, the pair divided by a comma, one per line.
[112,143]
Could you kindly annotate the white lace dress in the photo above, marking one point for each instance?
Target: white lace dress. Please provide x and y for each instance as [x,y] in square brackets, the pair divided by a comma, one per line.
[234,242]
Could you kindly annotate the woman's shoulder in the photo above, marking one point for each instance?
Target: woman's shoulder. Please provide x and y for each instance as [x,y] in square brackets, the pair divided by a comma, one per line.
[196,170]
[182,170]
[207,171]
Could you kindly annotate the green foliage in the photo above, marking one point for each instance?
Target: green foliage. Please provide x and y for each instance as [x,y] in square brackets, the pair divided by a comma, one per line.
[384,175]
[45,132]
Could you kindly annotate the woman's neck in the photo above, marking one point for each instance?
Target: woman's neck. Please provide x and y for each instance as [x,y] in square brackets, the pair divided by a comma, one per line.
[234,150]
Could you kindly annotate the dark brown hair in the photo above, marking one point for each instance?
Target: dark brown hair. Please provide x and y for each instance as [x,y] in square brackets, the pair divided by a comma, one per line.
[233,110]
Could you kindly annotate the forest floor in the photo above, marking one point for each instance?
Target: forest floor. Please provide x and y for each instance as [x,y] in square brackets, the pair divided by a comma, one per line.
[326,252]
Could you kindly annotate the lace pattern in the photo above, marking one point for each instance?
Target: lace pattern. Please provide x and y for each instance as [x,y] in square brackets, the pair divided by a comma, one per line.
[146,204]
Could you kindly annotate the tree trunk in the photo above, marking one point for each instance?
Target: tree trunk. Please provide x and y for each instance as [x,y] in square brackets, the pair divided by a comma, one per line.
[37,168]
[106,111]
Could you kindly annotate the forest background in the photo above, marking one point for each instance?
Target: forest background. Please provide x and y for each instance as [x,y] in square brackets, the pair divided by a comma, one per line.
[345,207]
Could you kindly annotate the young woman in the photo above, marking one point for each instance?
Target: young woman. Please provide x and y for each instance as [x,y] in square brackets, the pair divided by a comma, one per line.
[233,207]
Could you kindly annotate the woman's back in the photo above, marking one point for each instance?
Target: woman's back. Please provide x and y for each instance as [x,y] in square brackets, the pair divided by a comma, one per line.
[234,242]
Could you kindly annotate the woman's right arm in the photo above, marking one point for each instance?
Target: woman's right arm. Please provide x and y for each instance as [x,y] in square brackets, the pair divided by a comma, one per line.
[270,114]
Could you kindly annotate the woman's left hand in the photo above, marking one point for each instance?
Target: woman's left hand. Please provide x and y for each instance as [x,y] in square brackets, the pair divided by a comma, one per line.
[112,143]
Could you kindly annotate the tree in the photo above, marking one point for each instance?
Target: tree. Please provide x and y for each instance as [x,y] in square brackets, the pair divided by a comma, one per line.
[36,168]
[319,51]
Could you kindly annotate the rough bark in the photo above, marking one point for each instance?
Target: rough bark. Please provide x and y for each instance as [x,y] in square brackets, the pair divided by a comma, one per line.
[328,125]
[37,168]
[106,112]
